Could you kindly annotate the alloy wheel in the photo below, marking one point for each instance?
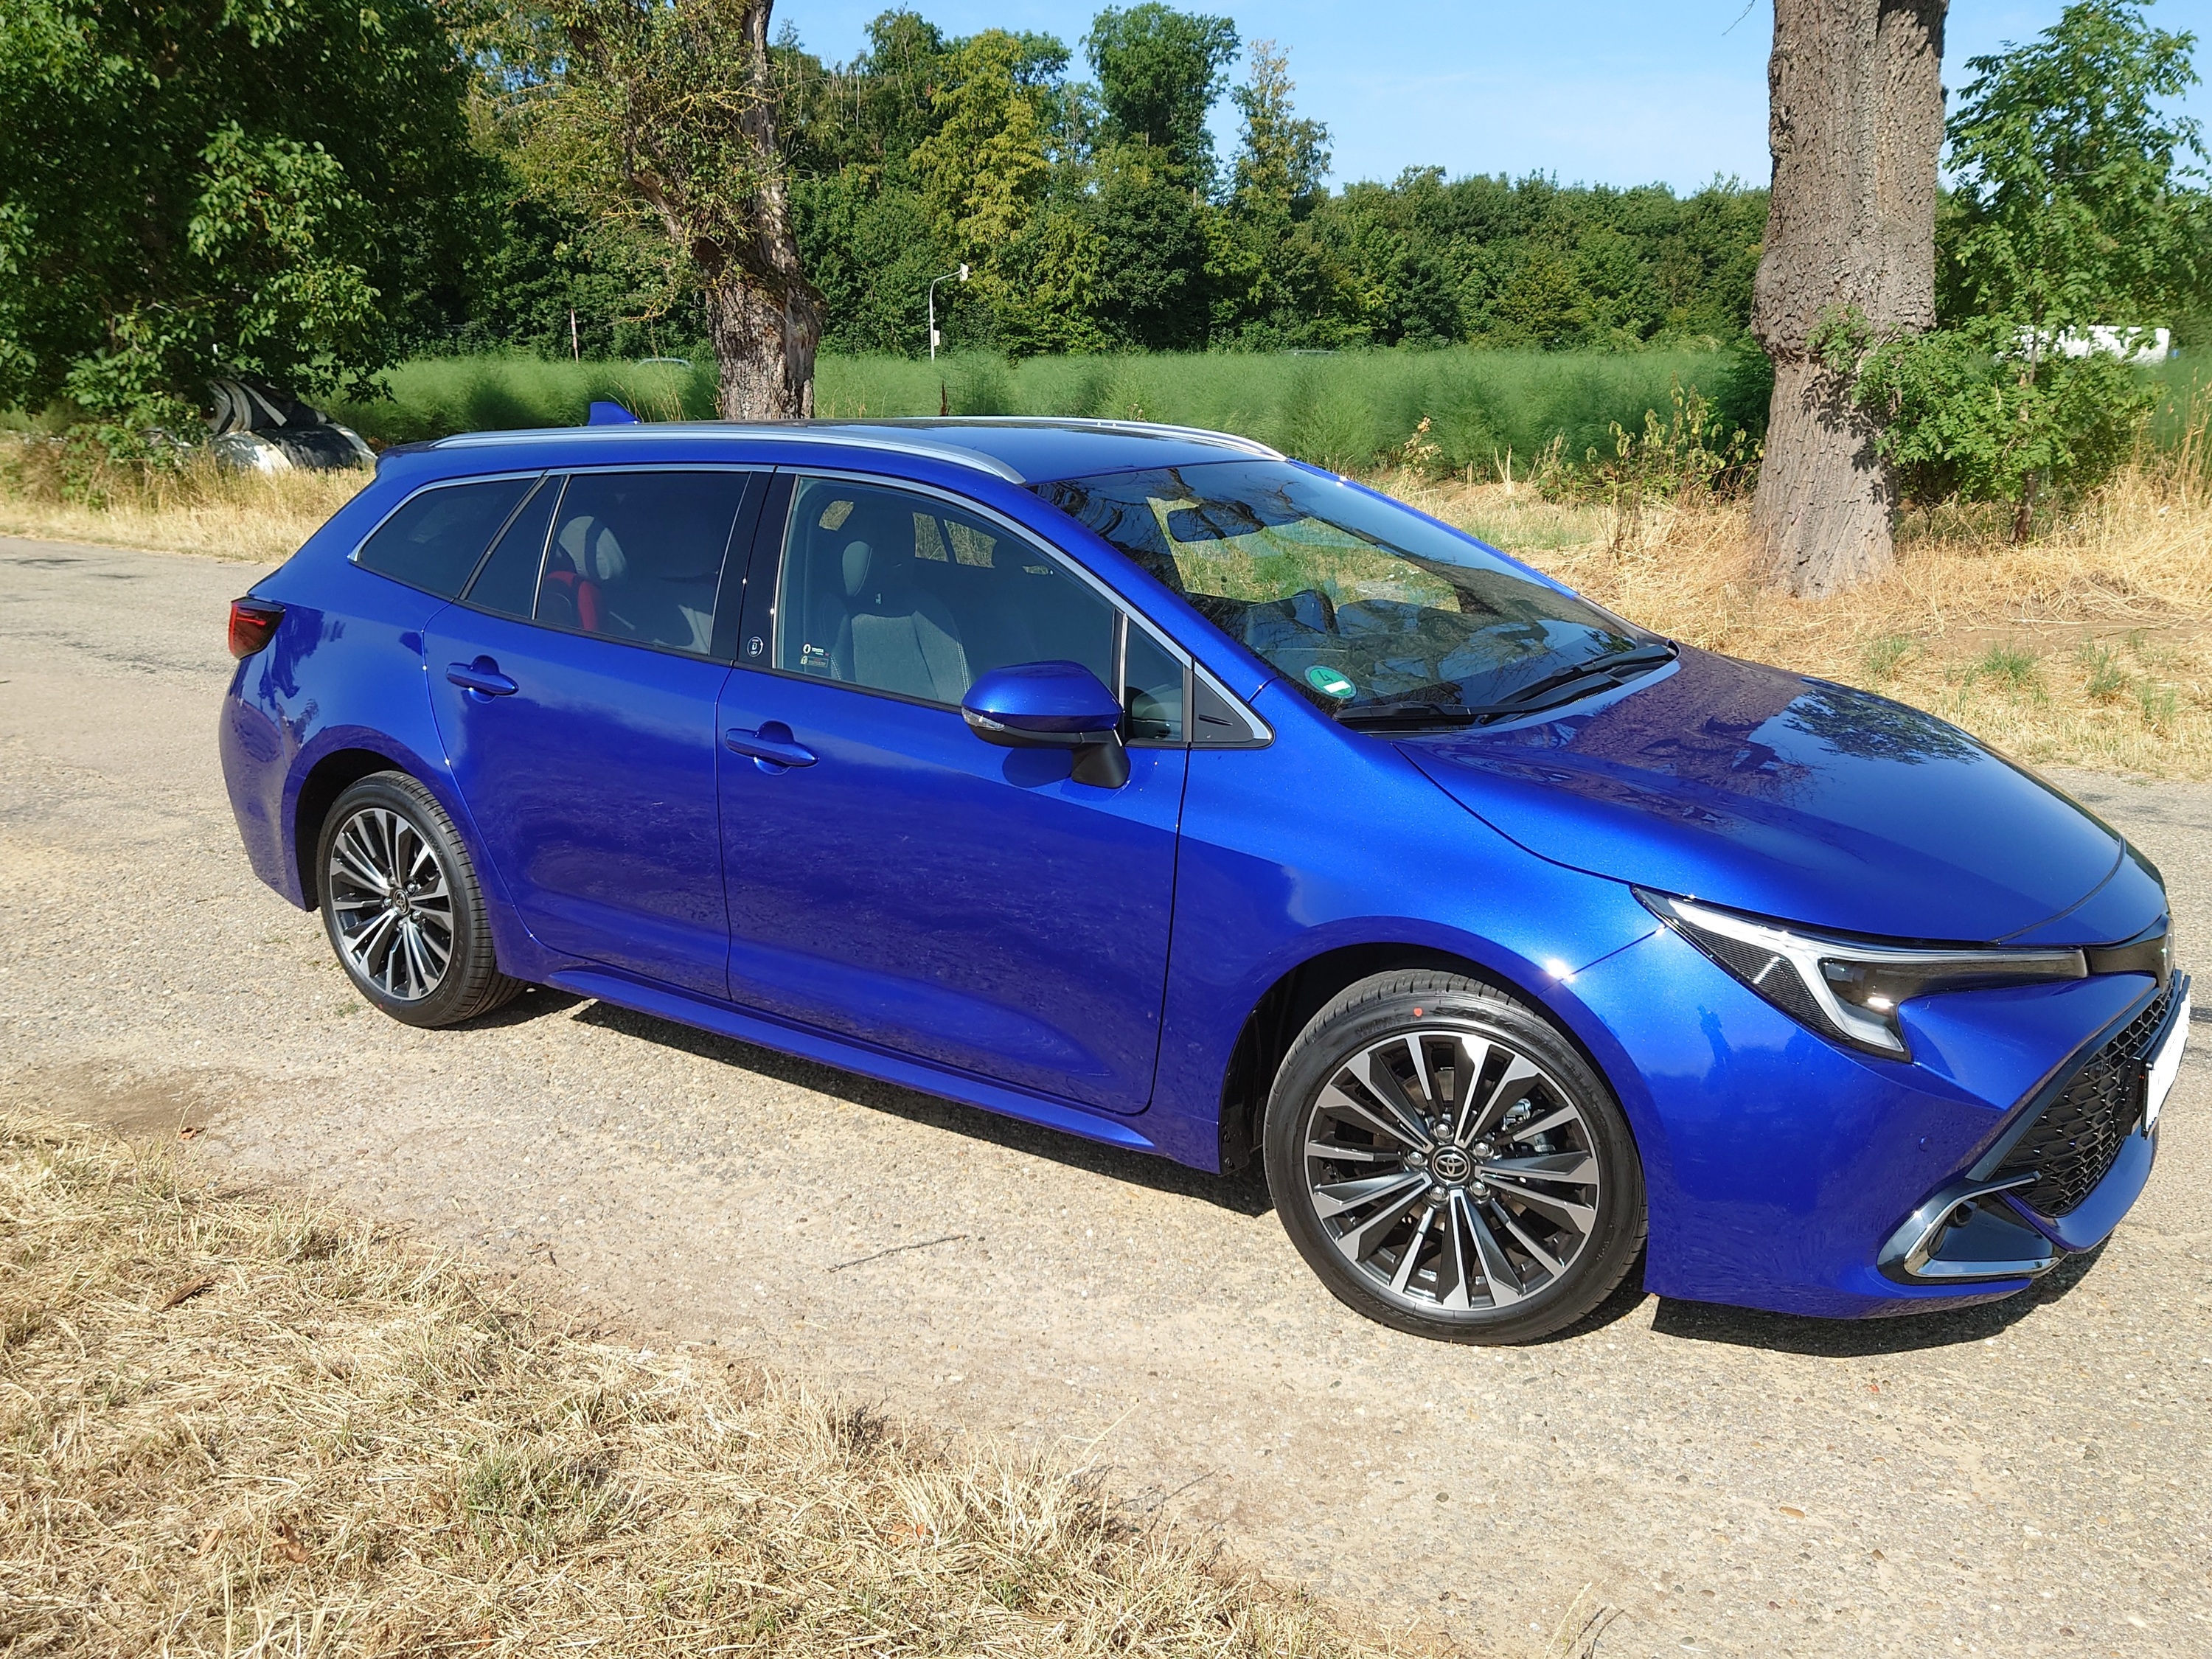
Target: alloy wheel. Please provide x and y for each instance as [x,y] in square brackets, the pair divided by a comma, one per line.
[391,903]
[1451,1172]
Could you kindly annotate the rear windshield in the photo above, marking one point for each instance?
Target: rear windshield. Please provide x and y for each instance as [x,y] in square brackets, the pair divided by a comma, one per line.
[1358,600]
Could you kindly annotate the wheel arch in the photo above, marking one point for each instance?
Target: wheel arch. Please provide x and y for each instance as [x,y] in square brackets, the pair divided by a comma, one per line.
[1288,1006]
[331,776]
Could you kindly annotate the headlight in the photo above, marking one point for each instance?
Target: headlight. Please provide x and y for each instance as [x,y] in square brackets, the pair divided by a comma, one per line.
[1847,988]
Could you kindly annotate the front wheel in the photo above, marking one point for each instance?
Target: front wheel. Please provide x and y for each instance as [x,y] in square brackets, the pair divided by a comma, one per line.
[402,906]
[1449,1164]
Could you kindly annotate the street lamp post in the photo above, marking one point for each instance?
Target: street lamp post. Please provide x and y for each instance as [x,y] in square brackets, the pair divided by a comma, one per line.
[961,274]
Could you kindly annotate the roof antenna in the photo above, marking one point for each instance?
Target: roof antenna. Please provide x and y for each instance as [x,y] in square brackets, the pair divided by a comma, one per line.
[608,415]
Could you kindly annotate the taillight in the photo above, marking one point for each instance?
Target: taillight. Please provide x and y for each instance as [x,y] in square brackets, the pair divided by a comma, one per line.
[253,625]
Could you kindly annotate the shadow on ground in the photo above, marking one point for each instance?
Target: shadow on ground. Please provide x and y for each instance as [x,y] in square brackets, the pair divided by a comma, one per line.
[1245,1191]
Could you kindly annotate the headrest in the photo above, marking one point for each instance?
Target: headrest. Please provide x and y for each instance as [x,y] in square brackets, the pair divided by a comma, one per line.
[592,549]
[860,559]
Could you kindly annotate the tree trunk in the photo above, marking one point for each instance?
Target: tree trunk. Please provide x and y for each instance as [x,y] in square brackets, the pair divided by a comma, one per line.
[763,318]
[763,345]
[1856,125]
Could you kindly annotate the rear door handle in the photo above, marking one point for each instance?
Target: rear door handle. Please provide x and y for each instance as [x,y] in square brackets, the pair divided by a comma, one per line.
[773,746]
[482,677]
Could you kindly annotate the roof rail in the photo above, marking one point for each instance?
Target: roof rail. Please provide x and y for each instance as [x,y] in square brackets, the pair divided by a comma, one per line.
[957,454]
[865,434]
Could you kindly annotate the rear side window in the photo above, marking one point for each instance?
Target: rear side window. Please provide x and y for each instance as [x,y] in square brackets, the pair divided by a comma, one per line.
[434,539]
[638,556]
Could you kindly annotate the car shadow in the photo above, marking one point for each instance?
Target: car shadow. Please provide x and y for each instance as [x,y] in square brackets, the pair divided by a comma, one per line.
[1244,1192]
[1865,1339]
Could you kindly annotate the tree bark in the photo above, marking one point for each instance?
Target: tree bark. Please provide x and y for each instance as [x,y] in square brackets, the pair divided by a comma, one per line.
[1856,125]
[763,318]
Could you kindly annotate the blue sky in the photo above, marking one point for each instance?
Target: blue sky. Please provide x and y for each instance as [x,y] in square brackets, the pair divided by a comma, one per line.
[1603,91]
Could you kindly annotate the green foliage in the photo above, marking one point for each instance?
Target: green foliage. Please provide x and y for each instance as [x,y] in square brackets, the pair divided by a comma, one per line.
[1091,216]
[2072,208]
[1160,72]
[1966,413]
[2071,204]
[2013,667]
[276,188]
[1486,410]
[436,397]
[1694,452]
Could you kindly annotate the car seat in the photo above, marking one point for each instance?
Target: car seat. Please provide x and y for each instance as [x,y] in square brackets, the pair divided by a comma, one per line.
[893,635]
[588,559]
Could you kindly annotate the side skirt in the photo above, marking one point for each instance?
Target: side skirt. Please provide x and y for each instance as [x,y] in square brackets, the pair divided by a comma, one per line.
[868,1061]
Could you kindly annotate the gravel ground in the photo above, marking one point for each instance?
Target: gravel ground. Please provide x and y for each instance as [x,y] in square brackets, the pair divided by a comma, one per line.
[2028,1478]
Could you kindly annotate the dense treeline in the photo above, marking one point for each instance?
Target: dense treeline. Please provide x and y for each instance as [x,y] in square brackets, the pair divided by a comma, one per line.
[1095,215]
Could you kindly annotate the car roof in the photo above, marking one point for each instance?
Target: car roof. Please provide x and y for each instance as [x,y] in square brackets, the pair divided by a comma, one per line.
[1019,449]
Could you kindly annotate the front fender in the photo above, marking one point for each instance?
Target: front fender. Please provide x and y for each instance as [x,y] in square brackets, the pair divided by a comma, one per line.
[1381,857]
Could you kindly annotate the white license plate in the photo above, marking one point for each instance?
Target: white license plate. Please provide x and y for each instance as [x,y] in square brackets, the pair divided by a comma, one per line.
[2165,1065]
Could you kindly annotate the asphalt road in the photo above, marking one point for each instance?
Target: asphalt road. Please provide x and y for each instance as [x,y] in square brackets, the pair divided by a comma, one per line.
[2029,1477]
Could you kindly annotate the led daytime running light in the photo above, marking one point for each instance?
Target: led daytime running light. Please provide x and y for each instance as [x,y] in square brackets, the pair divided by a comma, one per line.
[1850,988]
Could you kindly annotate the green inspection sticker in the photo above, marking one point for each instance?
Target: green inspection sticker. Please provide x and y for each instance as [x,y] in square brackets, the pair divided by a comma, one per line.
[1329,682]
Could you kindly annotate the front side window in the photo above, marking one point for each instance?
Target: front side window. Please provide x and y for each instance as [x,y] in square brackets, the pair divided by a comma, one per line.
[1374,610]
[636,556]
[434,539]
[908,594]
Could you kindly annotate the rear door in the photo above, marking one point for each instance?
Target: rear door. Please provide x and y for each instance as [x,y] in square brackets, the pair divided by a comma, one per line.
[576,686]
[904,883]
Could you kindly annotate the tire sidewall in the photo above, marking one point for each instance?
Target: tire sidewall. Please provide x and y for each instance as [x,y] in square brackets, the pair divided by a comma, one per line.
[1339,1032]
[472,964]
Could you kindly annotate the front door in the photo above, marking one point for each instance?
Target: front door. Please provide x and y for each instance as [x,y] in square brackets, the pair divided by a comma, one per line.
[904,882]
[575,686]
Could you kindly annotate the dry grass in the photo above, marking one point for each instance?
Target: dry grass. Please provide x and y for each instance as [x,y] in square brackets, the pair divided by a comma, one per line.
[231,1425]
[203,509]
[2090,645]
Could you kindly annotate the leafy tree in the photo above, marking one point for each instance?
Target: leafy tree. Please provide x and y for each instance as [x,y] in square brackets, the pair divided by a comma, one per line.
[2072,203]
[661,115]
[2072,208]
[1283,159]
[985,167]
[1160,73]
[276,188]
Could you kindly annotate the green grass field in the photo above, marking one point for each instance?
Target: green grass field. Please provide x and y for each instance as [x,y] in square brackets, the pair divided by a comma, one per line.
[1349,410]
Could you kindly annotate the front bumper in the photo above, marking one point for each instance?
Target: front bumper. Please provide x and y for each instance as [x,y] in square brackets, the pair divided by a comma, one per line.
[1784,1172]
[1991,1223]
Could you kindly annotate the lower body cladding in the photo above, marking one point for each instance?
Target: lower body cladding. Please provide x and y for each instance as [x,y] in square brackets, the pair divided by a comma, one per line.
[1788,1173]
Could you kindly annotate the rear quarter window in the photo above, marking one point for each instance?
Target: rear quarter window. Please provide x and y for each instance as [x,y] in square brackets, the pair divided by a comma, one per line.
[434,540]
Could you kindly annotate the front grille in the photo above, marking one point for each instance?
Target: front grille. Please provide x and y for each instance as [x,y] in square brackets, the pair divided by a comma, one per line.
[2073,1141]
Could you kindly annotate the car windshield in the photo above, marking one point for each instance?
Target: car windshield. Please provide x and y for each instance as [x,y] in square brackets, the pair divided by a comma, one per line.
[1377,612]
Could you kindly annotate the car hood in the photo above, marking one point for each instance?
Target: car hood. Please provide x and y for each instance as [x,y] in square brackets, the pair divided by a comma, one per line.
[1792,798]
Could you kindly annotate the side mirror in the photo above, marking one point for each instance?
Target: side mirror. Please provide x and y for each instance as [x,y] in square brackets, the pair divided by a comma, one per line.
[1052,705]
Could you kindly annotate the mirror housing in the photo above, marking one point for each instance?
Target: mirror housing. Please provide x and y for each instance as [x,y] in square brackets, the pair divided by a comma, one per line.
[1052,705]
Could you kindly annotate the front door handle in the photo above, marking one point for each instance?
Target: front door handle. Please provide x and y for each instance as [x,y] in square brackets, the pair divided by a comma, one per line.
[482,677]
[773,746]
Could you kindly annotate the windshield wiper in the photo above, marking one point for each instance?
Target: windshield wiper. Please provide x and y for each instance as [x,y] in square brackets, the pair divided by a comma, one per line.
[1410,713]
[1568,682]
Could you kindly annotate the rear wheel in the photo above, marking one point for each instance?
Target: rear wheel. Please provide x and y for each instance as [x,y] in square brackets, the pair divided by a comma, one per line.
[1449,1164]
[402,906]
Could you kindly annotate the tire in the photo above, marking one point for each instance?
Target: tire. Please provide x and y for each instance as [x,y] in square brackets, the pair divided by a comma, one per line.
[426,960]
[1520,1201]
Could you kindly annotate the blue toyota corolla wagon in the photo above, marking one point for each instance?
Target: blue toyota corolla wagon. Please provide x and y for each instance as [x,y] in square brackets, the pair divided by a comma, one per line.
[1142,783]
